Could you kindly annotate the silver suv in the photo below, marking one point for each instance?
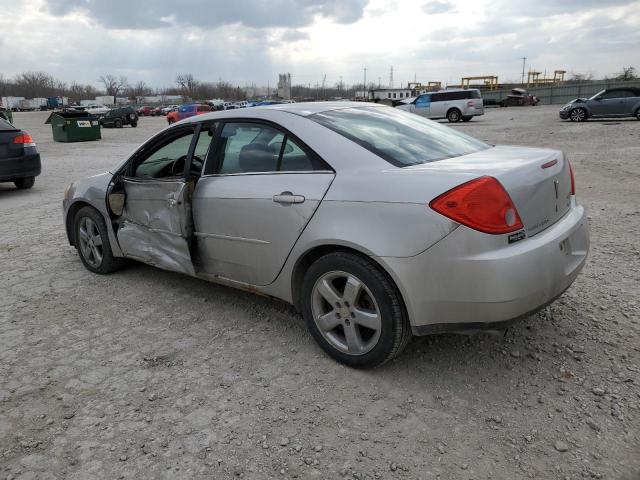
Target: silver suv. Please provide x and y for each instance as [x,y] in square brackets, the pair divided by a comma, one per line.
[613,102]
[454,105]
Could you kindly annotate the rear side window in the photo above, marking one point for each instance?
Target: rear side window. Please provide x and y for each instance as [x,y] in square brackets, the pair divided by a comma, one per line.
[259,148]
[399,137]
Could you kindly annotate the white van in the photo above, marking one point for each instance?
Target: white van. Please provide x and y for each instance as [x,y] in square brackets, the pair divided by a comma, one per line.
[454,105]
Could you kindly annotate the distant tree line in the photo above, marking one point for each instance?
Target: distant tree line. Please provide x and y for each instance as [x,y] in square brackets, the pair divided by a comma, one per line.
[40,84]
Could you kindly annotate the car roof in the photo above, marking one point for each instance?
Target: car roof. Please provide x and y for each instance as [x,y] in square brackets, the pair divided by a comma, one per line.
[303,109]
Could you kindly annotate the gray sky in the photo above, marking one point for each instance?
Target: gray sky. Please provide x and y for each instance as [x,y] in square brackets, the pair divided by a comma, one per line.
[249,42]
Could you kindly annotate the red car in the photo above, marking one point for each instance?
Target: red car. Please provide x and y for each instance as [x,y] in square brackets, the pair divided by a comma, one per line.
[186,111]
[519,97]
[145,111]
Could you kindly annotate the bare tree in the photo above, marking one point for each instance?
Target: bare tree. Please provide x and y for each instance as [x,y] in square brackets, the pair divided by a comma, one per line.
[188,85]
[580,77]
[35,84]
[113,85]
[628,73]
[140,89]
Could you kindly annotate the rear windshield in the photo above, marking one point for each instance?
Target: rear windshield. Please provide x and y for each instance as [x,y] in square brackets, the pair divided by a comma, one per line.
[399,137]
[4,125]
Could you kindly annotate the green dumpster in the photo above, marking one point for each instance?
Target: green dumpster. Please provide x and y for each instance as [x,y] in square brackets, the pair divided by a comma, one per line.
[6,114]
[74,126]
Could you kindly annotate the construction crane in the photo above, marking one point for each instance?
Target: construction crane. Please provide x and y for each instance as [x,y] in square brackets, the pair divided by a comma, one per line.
[490,81]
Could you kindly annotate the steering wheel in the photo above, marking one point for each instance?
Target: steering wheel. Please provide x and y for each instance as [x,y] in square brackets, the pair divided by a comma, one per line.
[177,168]
[196,164]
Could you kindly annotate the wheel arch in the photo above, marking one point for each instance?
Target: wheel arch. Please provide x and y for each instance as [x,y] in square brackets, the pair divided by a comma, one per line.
[311,255]
[73,209]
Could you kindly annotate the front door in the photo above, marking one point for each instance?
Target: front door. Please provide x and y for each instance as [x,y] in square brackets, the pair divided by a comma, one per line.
[260,189]
[609,103]
[423,105]
[156,225]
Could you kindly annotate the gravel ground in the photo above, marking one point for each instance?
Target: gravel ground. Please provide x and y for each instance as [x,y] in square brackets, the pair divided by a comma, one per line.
[150,374]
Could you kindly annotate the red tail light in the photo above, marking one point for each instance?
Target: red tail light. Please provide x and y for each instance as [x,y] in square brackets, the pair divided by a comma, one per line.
[25,139]
[573,182]
[470,103]
[482,204]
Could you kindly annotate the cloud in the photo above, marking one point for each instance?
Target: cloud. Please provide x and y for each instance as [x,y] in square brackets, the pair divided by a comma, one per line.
[153,14]
[438,6]
[294,36]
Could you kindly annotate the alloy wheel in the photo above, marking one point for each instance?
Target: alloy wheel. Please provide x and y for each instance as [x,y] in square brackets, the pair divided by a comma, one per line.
[346,313]
[90,242]
[578,115]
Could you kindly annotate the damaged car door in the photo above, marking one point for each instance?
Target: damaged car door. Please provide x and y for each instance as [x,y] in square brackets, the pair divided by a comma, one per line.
[155,224]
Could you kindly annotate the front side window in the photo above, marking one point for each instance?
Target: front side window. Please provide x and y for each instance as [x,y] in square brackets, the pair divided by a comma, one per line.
[399,137]
[423,101]
[166,160]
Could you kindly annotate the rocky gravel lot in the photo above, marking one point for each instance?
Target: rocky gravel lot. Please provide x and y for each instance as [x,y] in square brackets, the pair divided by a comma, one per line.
[150,374]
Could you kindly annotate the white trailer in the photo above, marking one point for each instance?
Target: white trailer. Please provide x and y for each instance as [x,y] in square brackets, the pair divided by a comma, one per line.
[11,103]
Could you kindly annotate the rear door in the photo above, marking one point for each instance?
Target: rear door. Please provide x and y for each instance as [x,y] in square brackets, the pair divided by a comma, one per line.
[155,225]
[261,187]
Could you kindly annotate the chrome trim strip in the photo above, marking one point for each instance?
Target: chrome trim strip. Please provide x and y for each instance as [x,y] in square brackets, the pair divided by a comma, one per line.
[292,172]
[228,237]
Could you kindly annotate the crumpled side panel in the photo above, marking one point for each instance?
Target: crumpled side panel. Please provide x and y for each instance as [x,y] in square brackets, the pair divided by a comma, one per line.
[160,249]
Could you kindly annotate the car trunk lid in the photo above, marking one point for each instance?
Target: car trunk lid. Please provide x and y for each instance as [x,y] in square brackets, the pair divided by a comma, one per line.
[7,148]
[537,180]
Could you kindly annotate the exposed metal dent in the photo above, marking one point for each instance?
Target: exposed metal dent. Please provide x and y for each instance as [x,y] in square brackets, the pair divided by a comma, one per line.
[161,249]
[156,224]
[229,237]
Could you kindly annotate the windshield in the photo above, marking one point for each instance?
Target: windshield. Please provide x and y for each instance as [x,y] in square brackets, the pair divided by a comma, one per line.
[599,93]
[399,137]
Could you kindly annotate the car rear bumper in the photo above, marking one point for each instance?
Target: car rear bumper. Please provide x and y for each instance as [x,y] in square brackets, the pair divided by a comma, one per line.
[474,281]
[19,167]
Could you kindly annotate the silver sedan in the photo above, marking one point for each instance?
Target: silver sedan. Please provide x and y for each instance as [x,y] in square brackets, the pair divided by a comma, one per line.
[375,223]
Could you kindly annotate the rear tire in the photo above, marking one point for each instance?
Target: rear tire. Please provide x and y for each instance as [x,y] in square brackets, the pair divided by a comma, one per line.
[92,242]
[24,183]
[454,115]
[134,124]
[467,118]
[578,115]
[117,124]
[638,114]
[353,311]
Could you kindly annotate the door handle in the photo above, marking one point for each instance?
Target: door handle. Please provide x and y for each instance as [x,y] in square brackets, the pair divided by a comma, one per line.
[287,198]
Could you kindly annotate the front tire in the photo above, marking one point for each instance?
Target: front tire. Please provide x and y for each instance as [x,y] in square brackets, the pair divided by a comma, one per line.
[578,115]
[24,183]
[92,242]
[454,115]
[353,311]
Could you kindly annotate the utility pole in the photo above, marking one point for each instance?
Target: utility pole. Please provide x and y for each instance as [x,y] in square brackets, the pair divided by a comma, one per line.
[524,60]
[364,85]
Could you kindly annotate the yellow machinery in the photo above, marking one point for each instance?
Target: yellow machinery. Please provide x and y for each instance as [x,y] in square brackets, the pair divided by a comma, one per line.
[490,81]
[429,87]
[533,78]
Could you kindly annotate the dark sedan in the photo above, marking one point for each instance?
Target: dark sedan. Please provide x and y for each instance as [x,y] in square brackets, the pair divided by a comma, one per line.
[19,158]
[613,102]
